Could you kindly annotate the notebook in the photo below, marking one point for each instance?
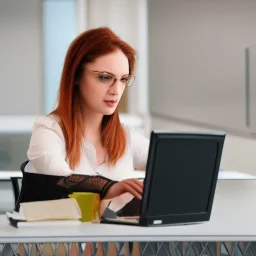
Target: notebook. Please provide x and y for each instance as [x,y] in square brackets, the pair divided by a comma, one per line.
[52,212]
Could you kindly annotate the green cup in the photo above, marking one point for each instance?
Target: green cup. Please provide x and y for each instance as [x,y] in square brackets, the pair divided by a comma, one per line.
[89,204]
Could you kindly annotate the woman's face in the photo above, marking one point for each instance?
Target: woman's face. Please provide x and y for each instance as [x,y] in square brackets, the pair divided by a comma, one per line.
[103,82]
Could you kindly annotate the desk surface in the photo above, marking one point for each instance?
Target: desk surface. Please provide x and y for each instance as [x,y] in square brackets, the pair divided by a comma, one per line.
[223,175]
[6,175]
[233,219]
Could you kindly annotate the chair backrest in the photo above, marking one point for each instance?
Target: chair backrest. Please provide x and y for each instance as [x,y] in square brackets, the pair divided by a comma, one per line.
[19,187]
[16,185]
[23,165]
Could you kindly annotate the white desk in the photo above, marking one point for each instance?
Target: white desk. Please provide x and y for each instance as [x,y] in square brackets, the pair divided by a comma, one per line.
[235,175]
[233,219]
[6,175]
[223,175]
[16,124]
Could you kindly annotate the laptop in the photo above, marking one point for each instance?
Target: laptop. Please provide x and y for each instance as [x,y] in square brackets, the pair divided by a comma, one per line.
[181,176]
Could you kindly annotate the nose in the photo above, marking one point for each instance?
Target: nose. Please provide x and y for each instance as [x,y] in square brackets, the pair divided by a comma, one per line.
[116,88]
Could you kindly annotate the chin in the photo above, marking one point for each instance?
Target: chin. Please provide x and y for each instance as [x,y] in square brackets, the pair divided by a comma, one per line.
[105,110]
[108,113]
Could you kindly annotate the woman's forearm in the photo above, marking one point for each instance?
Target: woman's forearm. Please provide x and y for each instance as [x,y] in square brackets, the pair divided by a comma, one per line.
[86,183]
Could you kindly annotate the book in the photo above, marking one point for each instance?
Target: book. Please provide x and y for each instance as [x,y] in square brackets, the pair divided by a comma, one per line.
[52,212]
[50,223]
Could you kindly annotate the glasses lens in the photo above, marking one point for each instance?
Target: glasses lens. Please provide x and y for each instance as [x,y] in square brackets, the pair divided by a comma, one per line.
[130,81]
[105,78]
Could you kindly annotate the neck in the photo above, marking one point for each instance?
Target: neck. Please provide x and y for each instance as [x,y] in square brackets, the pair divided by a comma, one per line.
[93,125]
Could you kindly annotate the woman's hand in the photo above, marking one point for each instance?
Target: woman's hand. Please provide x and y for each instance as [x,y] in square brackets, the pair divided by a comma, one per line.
[132,186]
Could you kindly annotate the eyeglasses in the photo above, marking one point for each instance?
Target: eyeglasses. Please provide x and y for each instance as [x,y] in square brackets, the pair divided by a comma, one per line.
[109,79]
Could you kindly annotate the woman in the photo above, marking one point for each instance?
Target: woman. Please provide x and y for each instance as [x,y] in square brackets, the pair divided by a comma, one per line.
[82,140]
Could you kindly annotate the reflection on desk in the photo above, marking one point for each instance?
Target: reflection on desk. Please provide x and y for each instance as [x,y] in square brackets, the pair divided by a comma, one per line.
[223,175]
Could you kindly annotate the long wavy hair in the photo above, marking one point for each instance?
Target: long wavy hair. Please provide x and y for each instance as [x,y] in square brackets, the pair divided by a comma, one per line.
[86,48]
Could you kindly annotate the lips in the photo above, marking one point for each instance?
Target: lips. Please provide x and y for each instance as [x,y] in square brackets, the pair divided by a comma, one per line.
[110,103]
[113,101]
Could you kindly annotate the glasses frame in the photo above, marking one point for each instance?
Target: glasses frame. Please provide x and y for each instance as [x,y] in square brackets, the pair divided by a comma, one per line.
[114,77]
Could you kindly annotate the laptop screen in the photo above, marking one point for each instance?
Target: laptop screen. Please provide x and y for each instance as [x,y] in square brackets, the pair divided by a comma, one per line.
[180,182]
[182,175]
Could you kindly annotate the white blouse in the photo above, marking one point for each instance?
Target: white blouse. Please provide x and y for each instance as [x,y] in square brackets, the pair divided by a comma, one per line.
[47,153]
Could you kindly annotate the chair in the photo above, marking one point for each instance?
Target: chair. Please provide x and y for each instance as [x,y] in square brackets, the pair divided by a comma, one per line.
[16,184]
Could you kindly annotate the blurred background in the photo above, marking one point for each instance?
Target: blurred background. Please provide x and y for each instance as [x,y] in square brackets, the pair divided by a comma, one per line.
[195,71]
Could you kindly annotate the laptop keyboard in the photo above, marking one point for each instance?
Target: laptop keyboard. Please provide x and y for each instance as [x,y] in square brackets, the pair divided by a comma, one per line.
[129,218]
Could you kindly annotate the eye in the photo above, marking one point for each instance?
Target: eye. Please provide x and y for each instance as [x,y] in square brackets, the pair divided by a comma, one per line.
[105,78]
[125,79]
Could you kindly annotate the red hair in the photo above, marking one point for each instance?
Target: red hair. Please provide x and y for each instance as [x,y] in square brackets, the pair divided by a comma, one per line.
[84,49]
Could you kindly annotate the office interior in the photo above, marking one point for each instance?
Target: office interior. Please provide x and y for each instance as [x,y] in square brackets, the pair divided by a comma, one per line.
[196,62]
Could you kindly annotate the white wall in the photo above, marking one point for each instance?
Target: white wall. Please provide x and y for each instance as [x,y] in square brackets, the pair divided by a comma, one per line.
[238,152]
[197,71]
[20,57]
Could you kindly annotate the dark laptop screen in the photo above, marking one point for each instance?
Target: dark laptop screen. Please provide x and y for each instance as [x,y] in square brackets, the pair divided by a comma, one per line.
[186,168]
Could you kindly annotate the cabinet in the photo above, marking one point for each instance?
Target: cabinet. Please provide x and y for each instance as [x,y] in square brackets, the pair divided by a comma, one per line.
[21,88]
[202,62]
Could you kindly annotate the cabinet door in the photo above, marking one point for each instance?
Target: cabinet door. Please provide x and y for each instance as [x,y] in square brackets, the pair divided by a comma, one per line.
[251,86]
[197,60]
[21,90]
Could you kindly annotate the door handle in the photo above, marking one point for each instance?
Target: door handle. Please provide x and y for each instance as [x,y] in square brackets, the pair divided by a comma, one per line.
[247,87]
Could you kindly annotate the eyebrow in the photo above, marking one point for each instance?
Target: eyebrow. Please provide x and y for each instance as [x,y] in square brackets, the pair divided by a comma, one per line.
[109,73]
